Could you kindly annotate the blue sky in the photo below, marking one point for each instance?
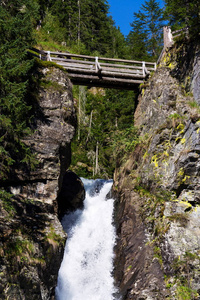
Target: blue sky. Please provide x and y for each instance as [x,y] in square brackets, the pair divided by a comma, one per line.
[122,12]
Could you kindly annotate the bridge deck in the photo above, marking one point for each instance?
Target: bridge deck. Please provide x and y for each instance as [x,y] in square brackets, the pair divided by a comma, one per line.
[101,71]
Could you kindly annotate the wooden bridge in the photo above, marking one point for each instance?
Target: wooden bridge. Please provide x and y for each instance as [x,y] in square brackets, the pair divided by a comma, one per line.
[100,71]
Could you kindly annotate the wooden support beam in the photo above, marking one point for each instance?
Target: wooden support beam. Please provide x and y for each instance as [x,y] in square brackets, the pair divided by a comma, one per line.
[69,66]
[112,72]
[105,73]
[107,84]
[109,79]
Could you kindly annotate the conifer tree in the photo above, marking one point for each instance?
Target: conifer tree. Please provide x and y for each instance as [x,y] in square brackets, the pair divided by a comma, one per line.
[184,13]
[16,24]
[81,22]
[145,37]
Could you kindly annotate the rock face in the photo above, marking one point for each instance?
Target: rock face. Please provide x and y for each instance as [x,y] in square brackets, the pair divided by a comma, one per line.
[71,195]
[157,211]
[32,238]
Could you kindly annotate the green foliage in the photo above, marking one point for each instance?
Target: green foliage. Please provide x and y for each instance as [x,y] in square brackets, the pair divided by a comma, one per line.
[53,238]
[105,121]
[6,201]
[184,271]
[52,29]
[184,13]
[182,218]
[185,293]
[83,26]
[158,255]
[16,25]
[20,246]
[124,141]
[145,39]
[194,104]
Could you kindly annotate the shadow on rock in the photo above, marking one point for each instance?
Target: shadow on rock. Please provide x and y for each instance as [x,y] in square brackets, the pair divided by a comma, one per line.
[71,195]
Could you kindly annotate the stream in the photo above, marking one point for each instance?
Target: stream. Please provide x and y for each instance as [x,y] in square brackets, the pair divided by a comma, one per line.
[86,269]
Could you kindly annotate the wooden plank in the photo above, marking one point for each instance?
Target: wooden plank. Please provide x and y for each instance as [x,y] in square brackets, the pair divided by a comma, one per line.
[99,58]
[121,66]
[105,73]
[126,75]
[76,66]
[107,84]
[69,61]
[58,60]
[150,69]
[75,63]
[80,69]
[110,79]
[131,71]
[179,30]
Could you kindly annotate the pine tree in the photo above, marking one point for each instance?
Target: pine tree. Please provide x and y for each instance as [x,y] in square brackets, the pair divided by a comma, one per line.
[137,40]
[145,37]
[16,25]
[184,14]
[118,46]
[78,22]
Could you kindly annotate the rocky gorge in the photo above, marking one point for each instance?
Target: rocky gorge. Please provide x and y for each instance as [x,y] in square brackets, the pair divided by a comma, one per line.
[32,238]
[157,186]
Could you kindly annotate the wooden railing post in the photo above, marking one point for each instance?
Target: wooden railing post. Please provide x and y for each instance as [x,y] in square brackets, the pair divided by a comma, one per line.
[48,56]
[168,38]
[97,65]
[143,68]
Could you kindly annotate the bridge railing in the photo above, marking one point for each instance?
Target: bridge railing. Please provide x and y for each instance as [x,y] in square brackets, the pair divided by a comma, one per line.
[91,65]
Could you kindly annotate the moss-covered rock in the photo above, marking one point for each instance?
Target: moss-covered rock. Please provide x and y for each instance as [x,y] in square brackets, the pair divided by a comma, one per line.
[157,211]
[32,239]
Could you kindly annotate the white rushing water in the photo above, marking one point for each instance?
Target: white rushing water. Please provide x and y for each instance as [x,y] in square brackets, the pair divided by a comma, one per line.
[86,269]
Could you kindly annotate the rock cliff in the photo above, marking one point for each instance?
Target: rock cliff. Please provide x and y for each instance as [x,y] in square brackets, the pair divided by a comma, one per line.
[32,238]
[158,186]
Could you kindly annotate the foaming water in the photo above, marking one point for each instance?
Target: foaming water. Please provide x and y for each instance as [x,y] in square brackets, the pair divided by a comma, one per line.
[86,269]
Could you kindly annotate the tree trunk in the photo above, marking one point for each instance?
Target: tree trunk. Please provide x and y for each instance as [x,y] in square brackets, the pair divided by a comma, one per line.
[79,22]
[97,158]
[90,126]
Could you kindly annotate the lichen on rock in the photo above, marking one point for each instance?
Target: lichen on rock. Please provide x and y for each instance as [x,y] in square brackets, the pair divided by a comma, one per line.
[32,239]
[158,210]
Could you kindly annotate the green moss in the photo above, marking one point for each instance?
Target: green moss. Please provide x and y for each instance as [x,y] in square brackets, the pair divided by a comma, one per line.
[129,268]
[181,218]
[194,104]
[52,85]
[53,237]
[158,255]
[48,64]
[186,293]
[7,202]
[174,116]
[20,246]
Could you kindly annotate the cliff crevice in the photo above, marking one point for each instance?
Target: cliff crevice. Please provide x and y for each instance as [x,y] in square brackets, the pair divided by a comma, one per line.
[157,187]
[32,238]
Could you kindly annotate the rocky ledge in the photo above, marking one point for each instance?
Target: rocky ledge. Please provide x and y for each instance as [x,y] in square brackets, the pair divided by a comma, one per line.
[157,188]
[32,238]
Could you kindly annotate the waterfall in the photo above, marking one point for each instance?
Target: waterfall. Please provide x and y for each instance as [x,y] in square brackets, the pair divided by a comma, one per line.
[86,269]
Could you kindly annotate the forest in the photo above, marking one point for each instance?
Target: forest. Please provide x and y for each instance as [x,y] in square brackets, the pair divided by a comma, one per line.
[105,128]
